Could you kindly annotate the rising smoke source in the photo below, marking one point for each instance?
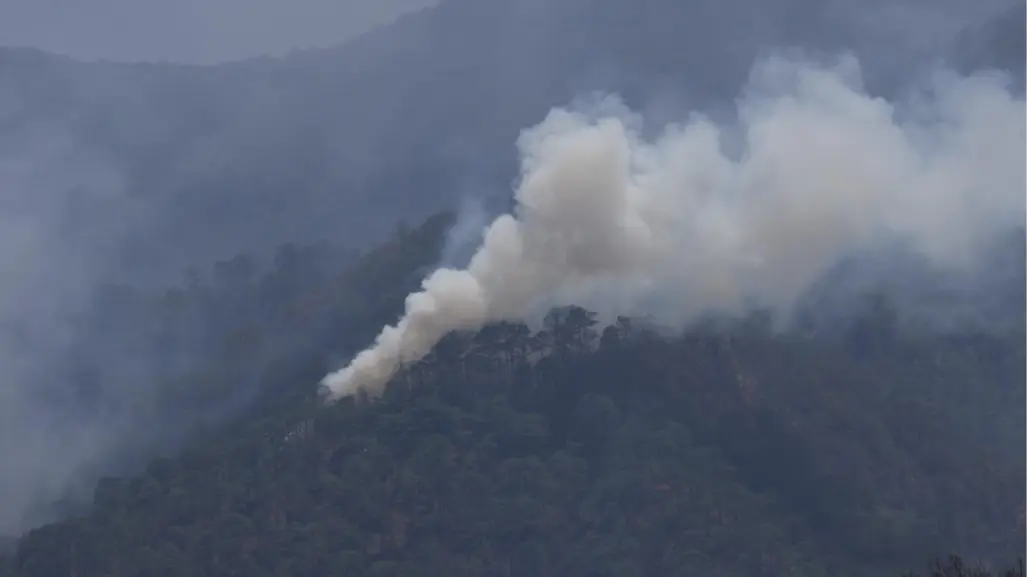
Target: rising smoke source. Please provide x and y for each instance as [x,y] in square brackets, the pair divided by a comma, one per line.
[681,226]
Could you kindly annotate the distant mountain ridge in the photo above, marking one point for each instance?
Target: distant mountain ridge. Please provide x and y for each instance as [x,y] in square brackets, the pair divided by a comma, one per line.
[130,172]
[410,117]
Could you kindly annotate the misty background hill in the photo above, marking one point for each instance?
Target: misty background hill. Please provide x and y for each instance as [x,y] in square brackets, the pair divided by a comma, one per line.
[174,237]
[410,117]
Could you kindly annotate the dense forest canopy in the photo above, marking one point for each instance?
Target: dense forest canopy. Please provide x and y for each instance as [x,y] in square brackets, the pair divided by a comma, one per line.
[731,449]
[155,423]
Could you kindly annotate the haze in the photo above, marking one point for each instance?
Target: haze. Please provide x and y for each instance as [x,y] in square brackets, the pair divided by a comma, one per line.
[189,31]
[131,173]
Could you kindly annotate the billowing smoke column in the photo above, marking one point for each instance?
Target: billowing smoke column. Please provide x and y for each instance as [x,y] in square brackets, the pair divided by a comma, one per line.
[680,225]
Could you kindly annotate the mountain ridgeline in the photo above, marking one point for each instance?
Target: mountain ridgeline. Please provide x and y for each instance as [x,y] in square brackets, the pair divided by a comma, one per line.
[859,448]
[841,178]
[404,121]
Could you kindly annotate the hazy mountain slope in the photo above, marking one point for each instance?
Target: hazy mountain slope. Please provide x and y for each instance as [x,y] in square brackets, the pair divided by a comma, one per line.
[729,451]
[415,114]
[111,172]
[995,43]
[148,371]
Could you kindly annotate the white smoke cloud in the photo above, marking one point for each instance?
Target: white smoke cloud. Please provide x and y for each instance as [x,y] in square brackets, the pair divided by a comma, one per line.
[678,227]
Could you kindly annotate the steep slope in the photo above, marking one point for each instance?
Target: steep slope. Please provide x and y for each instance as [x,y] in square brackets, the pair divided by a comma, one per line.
[725,451]
[158,166]
[147,371]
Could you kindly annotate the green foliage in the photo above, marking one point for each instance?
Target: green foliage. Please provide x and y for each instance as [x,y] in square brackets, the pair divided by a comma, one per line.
[727,451]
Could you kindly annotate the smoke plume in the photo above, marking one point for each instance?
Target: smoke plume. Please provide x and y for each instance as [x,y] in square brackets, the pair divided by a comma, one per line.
[719,218]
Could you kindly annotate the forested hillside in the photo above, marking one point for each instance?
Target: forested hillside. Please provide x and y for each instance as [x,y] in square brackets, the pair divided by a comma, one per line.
[114,177]
[576,451]
[156,425]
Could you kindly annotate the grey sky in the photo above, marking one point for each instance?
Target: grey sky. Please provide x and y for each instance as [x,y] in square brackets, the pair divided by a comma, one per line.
[193,31]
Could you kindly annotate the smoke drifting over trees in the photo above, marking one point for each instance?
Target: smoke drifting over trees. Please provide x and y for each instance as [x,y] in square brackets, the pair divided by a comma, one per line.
[116,177]
[723,218]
